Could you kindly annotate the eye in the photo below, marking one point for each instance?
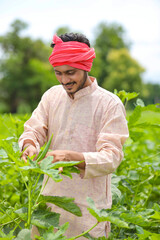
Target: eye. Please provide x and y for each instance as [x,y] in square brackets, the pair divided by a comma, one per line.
[71,72]
[58,73]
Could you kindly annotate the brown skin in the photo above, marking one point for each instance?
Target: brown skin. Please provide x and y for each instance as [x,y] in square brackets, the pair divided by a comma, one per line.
[59,155]
[72,79]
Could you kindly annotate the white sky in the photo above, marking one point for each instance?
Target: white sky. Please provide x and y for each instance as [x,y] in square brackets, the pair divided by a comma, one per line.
[140,19]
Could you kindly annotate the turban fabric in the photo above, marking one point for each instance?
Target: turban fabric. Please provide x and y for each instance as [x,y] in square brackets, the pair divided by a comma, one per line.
[73,53]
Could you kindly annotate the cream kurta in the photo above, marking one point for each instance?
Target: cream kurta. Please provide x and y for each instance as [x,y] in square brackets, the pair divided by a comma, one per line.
[92,123]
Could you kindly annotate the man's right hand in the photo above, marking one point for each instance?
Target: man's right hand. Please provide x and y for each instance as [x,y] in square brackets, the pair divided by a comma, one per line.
[29,151]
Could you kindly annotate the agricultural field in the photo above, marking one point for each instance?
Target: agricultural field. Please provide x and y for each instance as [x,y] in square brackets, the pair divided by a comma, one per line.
[135,213]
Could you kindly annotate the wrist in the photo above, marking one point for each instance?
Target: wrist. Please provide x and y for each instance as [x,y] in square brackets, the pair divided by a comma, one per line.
[75,156]
[28,143]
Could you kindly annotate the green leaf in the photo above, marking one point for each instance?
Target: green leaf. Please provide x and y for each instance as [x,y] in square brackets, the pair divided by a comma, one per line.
[136,218]
[8,236]
[50,235]
[116,193]
[22,213]
[123,95]
[51,169]
[45,167]
[61,231]
[139,102]
[115,179]
[156,207]
[24,234]
[136,135]
[145,125]
[32,162]
[135,116]
[102,215]
[63,202]
[133,175]
[117,221]
[88,236]
[48,161]
[68,170]
[152,107]
[52,173]
[44,219]
[156,216]
[127,185]
[143,234]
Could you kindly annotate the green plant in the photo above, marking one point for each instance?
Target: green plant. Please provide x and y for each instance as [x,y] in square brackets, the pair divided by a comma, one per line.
[135,213]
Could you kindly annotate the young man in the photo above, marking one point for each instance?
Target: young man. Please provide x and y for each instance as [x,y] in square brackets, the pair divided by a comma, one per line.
[87,122]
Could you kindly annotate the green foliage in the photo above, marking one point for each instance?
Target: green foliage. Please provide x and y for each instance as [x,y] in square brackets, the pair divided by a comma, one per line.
[63,30]
[114,67]
[135,213]
[124,72]
[29,207]
[57,236]
[26,73]
[125,96]
[24,235]
[12,125]
[105,215]
[151,93]
[25,70]
[62,202]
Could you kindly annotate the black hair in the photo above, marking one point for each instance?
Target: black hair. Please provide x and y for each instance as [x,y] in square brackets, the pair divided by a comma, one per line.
[73,37]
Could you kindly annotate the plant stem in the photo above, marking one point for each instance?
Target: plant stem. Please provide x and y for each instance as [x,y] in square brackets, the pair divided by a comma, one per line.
[18,225]
[23,180]
[13,220]
[29,202]
[125,105]
[82,234]
[35,203]
[36,183]
[44,185]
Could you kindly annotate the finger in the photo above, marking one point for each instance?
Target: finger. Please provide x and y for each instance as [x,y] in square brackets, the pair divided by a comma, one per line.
[49,154]
[35,157]
[60,169]
[24,157]
[32,153]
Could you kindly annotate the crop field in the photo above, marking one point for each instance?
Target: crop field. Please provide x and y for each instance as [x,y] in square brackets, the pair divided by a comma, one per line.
[135,213]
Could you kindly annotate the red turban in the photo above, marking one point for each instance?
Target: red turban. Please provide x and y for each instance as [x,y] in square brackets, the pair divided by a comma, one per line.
[75,54]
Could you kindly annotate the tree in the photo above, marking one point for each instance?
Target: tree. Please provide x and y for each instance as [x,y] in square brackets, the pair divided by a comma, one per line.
[151,93]
[62,30]
[107,37]
[25,70]
[124,72]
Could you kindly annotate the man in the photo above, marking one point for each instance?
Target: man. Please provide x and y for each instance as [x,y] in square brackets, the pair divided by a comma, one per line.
[87,122]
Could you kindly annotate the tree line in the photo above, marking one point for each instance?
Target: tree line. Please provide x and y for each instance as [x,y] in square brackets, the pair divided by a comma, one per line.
[25,73]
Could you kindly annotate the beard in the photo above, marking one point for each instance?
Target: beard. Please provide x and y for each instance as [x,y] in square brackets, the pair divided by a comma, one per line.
[74,86]
[82,83]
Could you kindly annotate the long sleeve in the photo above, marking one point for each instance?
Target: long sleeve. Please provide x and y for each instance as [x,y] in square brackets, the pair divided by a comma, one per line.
[109,152]
[93,123]
[35,129]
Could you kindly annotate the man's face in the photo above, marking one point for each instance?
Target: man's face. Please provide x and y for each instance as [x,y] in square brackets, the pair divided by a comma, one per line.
[72,79]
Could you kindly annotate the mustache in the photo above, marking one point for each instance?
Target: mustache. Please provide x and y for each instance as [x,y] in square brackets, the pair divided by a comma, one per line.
[67,84]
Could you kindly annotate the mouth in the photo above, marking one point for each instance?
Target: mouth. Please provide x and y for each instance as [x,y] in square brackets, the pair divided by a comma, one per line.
[68,85]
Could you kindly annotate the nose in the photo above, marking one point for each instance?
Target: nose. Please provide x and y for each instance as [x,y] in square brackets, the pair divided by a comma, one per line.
[65,79]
